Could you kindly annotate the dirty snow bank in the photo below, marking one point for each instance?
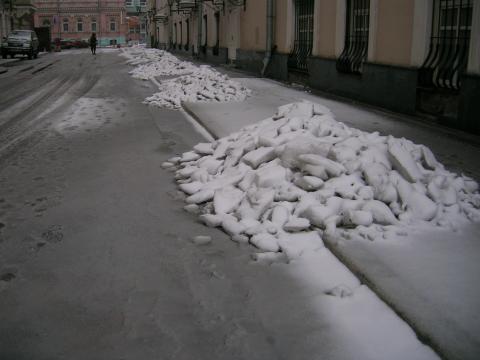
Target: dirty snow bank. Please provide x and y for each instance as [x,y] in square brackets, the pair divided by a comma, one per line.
[288,181]
[203,85]
[196,83]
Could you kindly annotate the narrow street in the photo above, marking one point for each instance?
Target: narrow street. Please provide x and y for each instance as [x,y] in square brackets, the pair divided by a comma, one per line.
[96,258]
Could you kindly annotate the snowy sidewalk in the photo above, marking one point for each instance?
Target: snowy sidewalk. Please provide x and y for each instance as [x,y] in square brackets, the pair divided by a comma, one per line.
[429,276]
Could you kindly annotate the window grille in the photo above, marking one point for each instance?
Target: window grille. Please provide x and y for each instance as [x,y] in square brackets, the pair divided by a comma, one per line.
[356,37]
[303,44]
[216,48]
[65,25]
[187,24]
[449,44]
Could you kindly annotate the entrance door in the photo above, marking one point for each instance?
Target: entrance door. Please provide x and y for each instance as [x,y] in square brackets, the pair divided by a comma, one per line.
[303,43]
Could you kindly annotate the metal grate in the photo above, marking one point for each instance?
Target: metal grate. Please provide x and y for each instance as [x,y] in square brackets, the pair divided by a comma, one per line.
[303,44]
[356,37]
[449,44]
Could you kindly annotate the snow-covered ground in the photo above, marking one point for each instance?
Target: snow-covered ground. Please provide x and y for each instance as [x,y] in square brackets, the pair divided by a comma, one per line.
[193,83]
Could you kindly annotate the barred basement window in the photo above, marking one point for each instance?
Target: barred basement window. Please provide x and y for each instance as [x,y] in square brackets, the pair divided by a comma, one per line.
[449,44]
[356,37]
[303,44]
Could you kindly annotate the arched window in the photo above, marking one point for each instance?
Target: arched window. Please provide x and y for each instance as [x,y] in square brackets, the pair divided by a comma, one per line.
[79,25]
[113,25]
[65,25]
[94,25]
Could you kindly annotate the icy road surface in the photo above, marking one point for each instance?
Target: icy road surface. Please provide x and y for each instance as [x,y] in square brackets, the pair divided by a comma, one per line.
[96,253]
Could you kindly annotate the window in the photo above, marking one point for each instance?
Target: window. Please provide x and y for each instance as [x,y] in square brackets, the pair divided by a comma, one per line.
[65,25]
[356,37]
[46,23]
[187,23]
[302,47]
[79,25]
[94,25]
[216,48]
[113,25]
[449,44]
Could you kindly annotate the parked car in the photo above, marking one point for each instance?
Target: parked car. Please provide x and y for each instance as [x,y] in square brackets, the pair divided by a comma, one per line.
[23,42]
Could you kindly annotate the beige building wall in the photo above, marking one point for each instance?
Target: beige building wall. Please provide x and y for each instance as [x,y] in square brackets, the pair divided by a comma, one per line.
[325,26]
[394,32]
[283,26]
[253,25]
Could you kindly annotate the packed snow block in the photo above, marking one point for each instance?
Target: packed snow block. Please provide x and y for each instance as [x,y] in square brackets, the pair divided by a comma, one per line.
[210,164]
[374,173]
[296,224]
[418,204]
[332,168]
[299,109]
[191,188]
[318,171]
[308,183]
[233,157]
[345,185]
[232,226]
[280,215]
[185,172]
[318,214]
[298,145]
[441,191]
[265,242]
[227,199]
[167,165]
[357,217]
[201,175]
[247,180]
[189,156]
[200,196]
[203,148]
[429,160]
[259,156]
[270,176]
[211,220]
[403,162]
[381,213]
[255,203]
[287,192]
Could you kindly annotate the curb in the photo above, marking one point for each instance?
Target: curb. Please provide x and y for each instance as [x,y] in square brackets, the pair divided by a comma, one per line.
[198,120]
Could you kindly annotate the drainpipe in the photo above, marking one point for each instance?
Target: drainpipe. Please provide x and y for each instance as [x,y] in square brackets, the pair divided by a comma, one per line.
[199,26]
[268,52]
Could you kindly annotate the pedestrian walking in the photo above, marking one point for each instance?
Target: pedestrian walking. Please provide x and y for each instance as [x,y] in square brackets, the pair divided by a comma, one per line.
[93,43]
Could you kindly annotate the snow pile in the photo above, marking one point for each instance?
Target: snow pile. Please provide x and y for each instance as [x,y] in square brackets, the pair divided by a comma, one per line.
[153,62]
[283,183]
[196,83]
[203,85]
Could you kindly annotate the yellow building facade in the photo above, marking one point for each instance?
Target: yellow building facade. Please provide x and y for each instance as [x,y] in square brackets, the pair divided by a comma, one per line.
[409,56]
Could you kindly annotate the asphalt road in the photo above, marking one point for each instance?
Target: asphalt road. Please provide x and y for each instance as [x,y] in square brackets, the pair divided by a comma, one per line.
[96,258]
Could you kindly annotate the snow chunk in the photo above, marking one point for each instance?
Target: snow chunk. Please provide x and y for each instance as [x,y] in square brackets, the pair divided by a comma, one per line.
[265,242]
[227,199]
[403,162]
[261,155]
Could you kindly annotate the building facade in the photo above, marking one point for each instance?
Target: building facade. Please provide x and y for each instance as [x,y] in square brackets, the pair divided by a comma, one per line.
[410,56]
[16,15]
[137,20]
[77,20]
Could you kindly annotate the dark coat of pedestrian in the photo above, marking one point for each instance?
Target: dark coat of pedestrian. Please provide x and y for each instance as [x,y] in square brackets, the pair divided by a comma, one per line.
[93,43]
